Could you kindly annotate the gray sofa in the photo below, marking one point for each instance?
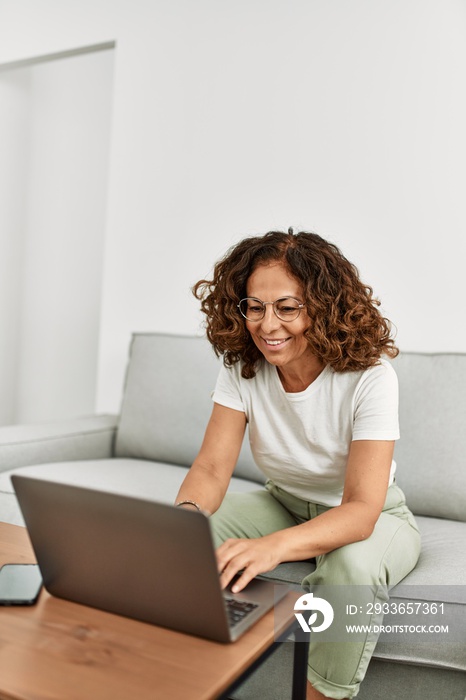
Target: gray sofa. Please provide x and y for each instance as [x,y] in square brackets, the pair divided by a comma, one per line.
[147,449]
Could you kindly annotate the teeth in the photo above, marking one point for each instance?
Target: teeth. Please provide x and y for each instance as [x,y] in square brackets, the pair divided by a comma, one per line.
[274,342]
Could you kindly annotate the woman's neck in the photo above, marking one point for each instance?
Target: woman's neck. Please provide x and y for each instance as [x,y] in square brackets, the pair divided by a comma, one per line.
[295,381]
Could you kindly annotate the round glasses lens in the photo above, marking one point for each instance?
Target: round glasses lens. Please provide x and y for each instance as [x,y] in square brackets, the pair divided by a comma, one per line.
[287,309]
[252,309]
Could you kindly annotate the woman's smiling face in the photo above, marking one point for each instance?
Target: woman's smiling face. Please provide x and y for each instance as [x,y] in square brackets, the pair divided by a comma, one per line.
[282,343]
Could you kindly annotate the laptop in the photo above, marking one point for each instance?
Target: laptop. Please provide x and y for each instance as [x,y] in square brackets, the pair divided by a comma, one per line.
[141,559]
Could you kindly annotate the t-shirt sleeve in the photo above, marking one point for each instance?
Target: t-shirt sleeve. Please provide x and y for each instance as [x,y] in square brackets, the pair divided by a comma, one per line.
[376,405]
[227,389]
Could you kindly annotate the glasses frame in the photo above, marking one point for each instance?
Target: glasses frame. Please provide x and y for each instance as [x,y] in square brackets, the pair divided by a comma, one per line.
[264,304]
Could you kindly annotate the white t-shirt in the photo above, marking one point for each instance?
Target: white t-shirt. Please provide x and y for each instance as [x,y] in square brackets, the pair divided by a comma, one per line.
[301,440]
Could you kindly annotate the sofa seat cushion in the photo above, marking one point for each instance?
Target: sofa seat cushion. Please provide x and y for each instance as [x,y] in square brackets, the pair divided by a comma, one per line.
[132,477]
[443,553]
[439,578]
[441,650]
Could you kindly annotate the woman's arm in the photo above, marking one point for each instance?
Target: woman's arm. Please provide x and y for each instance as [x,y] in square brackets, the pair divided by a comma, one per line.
[210,473]
[366,482]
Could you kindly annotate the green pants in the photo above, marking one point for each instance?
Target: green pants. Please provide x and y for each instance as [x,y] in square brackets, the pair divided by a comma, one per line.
[366,567]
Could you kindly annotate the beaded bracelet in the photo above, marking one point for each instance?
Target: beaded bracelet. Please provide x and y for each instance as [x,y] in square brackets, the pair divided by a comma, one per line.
[189,503]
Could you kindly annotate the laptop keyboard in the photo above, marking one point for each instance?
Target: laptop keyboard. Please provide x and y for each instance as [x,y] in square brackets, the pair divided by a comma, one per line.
[237,610]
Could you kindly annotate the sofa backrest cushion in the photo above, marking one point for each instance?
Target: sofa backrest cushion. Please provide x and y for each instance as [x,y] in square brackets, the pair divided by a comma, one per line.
[167,401]
[431,453]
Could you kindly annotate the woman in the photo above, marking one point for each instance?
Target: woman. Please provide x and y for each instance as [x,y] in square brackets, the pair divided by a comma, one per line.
[302,341]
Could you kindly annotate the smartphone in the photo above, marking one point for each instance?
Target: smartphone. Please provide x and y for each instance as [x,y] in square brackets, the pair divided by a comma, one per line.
[20,584]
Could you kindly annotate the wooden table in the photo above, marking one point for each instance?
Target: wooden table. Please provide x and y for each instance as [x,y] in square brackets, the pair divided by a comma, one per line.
[57,649]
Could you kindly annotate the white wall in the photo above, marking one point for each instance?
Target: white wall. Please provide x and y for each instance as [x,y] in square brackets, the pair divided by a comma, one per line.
[53,289]
[235,118]
[14,150]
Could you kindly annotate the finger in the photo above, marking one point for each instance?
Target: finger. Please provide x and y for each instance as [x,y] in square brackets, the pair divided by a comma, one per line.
[246,576]
[227,552]
[240,571]
[225,579]
[232,569]
[223,555]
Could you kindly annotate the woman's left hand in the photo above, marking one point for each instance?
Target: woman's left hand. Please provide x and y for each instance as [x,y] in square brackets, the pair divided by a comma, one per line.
[251,556]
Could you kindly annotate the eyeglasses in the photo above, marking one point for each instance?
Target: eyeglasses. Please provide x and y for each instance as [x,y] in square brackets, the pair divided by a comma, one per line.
[286,308]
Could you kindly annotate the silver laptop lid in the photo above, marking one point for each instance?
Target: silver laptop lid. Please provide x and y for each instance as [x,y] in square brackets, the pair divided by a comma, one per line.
[137,558]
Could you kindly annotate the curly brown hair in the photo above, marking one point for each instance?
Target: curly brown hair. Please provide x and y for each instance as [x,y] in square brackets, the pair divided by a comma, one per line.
[347,330]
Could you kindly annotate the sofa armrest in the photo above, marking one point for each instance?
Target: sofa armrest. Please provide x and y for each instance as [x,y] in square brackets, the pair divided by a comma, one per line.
[89,437]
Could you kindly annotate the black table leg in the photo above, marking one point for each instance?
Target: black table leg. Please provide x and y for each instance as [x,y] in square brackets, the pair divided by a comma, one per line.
[301,651]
